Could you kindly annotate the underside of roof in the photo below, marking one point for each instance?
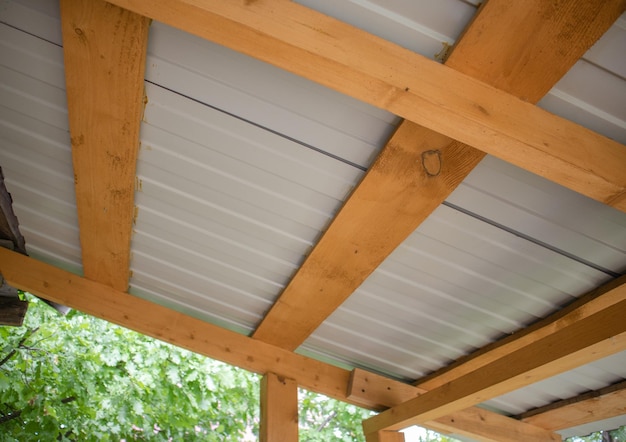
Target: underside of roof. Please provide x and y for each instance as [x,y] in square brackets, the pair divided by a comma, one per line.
[272,204]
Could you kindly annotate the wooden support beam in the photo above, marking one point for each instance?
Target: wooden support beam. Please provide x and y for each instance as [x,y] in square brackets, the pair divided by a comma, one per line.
[577,342]
[475,423]
[418,168]
[104,48]
[589,304]
[588,407]
[388,76]
[279,409]
[151,319]
[385,436]
[416,171]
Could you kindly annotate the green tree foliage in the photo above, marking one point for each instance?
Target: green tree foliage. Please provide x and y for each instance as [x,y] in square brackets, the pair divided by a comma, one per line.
[77,378]
[617,435]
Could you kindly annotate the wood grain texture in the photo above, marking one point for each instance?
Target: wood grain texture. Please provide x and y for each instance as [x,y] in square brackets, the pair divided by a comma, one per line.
[104,48]
[279,409]
[385,436]
[418,168]
[415,172]
[475,423]
[585,306]
[588,407]
[438,97]
[151,319]
[580,341]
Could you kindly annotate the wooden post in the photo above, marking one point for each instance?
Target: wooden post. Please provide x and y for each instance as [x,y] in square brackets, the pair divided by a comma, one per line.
[385,436]
[279,409]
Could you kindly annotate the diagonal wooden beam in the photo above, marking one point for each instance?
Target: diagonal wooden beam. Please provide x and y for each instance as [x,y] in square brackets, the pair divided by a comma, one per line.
[104,47]
[416,171]
[587,305]
[151,319]
[529,51]
[388,76]
[475,423]
[575,341]
[588,407]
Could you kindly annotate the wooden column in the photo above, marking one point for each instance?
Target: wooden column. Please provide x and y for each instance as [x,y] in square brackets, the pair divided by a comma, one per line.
[279,409]
[385,436]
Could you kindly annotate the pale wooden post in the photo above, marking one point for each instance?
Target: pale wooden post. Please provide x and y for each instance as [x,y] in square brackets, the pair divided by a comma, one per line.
[385,436]
[279,409]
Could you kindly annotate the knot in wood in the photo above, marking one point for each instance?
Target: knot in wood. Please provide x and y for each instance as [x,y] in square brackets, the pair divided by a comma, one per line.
[431,162]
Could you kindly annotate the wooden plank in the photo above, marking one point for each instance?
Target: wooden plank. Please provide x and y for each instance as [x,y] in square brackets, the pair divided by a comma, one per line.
[12,311]
[385,75]
[399,190]
[475,423]
[587,305]
[179,329]
[579,341]
[104,48]
[588,407]
[279,409]
[415,172]
[385,436]
[107,303]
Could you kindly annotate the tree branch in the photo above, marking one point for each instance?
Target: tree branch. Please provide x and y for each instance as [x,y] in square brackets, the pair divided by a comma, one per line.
[20,344]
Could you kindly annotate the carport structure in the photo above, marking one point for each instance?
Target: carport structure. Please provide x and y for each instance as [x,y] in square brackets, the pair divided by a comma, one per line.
[301,190]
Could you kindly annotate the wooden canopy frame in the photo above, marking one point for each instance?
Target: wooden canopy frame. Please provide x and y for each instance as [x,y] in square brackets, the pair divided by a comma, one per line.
[479,101]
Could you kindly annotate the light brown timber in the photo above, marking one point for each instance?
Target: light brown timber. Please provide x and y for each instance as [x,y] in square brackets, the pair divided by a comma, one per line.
[580,341]
[587,305]
[388,76]
[385,436]
[588,407]
[414,173]
[279,409]
[104,48]
[151,319]
[473,422]
[526,58]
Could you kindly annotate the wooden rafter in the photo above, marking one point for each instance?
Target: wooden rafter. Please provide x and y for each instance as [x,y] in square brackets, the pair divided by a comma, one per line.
[279,409]
[573,341]
[104,48]
[529,51]
[588,407]
[591,303]
[385,75]
[151,319]
[473,422]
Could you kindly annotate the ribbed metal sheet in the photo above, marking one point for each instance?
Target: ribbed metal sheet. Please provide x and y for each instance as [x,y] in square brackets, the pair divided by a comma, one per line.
[35,154]
[453,286]
[227,209]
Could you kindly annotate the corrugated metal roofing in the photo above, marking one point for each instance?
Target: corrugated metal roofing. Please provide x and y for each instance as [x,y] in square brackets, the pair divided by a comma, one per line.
[243,165]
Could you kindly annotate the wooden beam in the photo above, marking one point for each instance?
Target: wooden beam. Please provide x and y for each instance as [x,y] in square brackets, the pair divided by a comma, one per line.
[279,409]
[104,48]
[417,170]
[475,423]
[388,76]
[588,407]
[577,342]
[385,436]
[591,303]
[151,319]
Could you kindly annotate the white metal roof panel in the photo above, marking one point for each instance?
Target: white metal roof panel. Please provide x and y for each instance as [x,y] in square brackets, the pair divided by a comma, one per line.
[35,154]
[231,207]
